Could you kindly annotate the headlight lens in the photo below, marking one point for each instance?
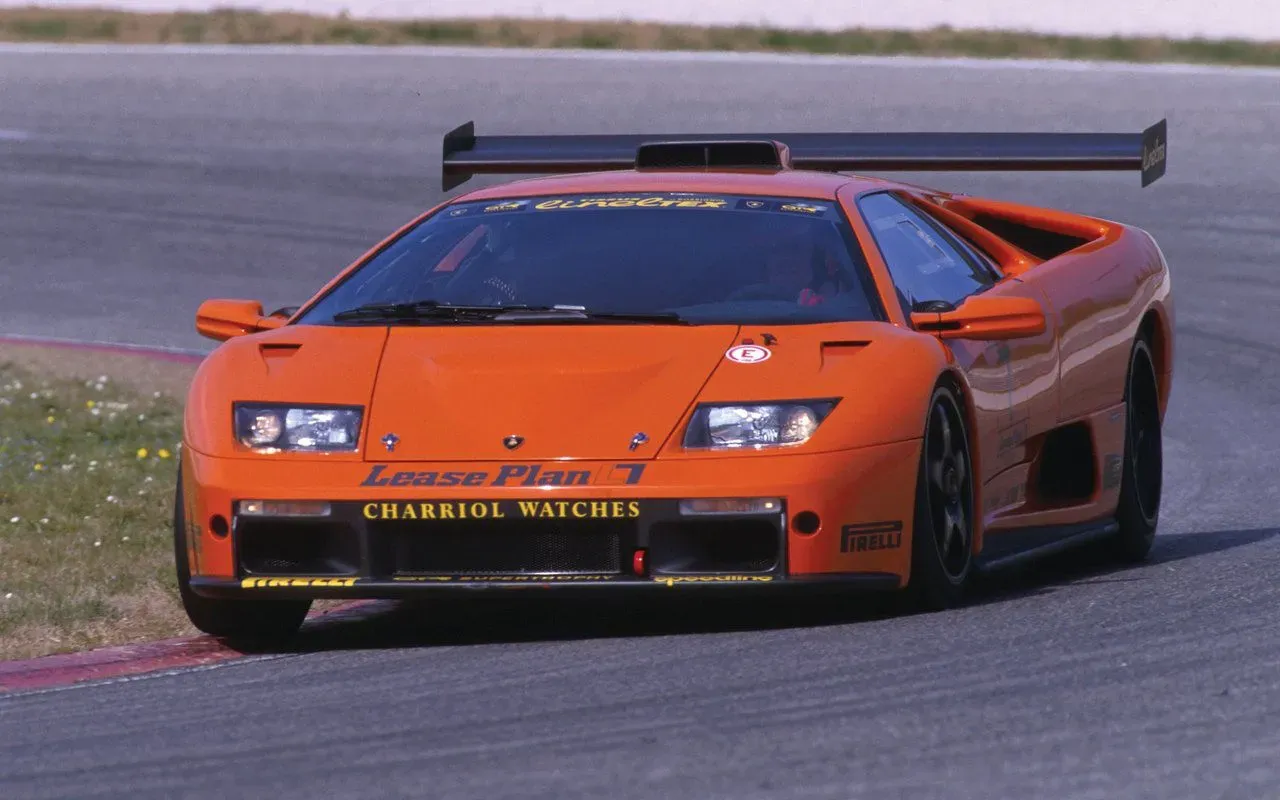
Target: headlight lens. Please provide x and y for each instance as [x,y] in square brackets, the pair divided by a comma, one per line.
[729,427]
[300,428]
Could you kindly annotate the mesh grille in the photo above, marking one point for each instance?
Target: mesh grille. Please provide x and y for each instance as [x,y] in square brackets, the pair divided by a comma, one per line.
[522,547]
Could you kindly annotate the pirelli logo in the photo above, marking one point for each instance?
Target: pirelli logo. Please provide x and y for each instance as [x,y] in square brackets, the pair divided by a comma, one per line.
[871,537]
[287,583]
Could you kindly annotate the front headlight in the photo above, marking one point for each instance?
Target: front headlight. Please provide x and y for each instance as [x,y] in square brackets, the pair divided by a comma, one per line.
[729,427]
[299,428]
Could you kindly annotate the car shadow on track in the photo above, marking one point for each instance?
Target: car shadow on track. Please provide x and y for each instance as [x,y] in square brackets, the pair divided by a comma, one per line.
[1085,565]
[525,618]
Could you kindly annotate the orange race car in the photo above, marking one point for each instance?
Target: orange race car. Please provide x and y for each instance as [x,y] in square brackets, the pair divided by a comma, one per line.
[688,361]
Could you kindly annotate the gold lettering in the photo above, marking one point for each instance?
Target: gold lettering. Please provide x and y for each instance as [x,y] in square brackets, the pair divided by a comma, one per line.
[599,508]
[550,204]
[716,579]
[528,508]
[479,510]
[370,510]
[446,511]
[578,510]
[409,512]
[389,511]
[547,511]
[616,508]
[633,508]
[426,511]
[271,583]
[497,511]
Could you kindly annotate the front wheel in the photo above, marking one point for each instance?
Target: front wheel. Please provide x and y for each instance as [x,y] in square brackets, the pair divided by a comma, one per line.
[942,533]
[243,623]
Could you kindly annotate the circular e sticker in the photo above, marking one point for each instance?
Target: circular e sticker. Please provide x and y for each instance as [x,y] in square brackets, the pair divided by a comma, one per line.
[748,354]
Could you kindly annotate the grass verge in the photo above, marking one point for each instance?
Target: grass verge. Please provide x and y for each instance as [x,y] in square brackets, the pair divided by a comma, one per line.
[37,24]
[88,449]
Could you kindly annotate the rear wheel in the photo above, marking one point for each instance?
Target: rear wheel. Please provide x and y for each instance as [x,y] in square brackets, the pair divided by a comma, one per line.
[1142,473]
[942,533]
[242,623]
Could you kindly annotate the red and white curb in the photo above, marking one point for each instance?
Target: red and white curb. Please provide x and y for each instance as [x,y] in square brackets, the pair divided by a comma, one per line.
[104,663]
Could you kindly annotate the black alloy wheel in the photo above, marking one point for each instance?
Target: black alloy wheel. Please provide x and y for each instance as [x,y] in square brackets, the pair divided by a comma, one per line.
[942,536]
[1142,479]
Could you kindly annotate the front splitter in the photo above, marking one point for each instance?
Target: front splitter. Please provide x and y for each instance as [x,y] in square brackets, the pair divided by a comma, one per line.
[366,588]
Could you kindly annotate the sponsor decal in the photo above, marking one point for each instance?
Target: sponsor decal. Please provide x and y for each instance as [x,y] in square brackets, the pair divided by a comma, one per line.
[1011,438]
[674,579]
[506,475]
[512,205]
[802,208]
[1011,497]
[1154,156]
[870,537]
[436,510]
[281,583]
[1111,471]
[755,205]
[502,578]
[748,354]
[458,212]
[632,202]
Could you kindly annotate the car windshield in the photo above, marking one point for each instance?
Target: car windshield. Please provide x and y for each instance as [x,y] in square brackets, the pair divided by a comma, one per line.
[695,258]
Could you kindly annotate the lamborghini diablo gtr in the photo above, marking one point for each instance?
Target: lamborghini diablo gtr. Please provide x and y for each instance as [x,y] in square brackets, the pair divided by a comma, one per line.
[674,363]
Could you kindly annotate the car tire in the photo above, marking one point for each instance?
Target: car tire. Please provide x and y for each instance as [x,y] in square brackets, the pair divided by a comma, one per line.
[942,531]
[1142,472]
[245,624]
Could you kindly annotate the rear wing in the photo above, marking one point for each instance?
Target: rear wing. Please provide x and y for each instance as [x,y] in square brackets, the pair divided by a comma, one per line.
[466,154]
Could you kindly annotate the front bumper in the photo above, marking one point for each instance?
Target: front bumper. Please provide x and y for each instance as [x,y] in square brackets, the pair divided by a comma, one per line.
[843,517]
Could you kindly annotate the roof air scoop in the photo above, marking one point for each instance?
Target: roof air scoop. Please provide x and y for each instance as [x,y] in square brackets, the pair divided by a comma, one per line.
[713,154]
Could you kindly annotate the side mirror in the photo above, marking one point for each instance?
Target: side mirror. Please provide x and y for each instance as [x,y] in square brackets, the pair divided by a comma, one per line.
[223,319]
[981,317]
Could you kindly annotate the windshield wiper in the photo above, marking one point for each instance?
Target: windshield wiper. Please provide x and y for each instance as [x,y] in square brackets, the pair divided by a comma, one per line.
[425,309]
[432,309]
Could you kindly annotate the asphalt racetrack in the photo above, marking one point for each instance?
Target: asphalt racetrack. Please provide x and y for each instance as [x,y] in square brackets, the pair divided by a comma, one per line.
[134,185]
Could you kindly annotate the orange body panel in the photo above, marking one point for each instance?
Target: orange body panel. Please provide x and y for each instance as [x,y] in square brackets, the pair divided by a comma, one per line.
[580,394]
